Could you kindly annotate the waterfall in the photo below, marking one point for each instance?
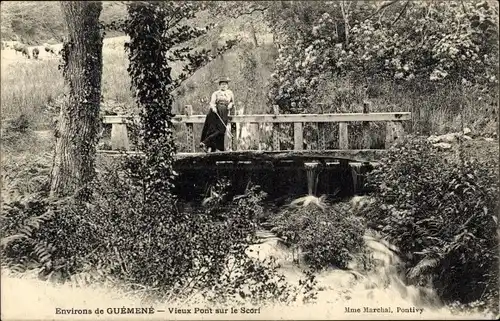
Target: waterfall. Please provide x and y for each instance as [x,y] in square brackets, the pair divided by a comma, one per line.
[355,172]
[312,177]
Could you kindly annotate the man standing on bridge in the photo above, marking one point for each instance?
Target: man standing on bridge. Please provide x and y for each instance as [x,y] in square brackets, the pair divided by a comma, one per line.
[214,129]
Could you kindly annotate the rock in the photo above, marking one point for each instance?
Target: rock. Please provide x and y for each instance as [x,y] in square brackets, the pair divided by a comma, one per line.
[360,202]
[449,138]
[467,131]
[442,145]
[466,137]
[488,139]
[433,139]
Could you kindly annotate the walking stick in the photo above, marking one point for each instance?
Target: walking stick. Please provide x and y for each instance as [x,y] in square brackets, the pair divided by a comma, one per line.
[230,135]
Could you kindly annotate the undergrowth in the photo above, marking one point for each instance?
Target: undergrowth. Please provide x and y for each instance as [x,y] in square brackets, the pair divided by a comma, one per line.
[440,209]
[176,256]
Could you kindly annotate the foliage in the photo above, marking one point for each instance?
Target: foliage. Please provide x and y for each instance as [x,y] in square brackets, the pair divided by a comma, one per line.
[441,211]
[199,252]
[411,41]
[235,9]
[328,237]
[150,74]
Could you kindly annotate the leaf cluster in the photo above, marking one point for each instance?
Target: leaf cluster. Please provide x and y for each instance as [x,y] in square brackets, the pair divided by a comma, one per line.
[176,254]
[327,235]
[402,41]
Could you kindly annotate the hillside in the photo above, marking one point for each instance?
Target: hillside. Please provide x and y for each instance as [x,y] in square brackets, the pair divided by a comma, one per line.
[39,22]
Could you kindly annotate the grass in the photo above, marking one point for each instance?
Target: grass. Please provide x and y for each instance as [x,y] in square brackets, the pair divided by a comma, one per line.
[27,87]
[115,79]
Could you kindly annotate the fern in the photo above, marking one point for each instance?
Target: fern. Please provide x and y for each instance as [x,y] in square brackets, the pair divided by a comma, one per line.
[30,225]
[8,239]
[423,267]
[43,251]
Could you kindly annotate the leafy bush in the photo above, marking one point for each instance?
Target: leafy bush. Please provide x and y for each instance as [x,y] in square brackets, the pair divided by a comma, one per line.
[361,40]
[175,254]
[326,235]
[440,210]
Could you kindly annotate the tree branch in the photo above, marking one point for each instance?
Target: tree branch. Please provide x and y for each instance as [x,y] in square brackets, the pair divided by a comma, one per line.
[381,8]
[253,10]
[401,13]
[196,61]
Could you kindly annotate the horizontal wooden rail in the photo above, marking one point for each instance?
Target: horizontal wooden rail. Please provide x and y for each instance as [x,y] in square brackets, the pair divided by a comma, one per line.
[394,127]
[288,118]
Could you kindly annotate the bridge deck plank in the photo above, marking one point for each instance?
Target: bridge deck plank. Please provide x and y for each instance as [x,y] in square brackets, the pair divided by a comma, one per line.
[360,155]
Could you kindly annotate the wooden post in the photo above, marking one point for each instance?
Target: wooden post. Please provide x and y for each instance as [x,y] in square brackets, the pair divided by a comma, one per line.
[234,138]
[298,136]
[367,139]
[188,111]
[343,136]
[256,126]
[276,130]
[322,136]
[321,130]
[236,129]
[394,131]
[119,137]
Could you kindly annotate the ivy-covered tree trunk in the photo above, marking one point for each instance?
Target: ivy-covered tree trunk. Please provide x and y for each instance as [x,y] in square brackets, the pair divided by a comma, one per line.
[76,136]
[151,76]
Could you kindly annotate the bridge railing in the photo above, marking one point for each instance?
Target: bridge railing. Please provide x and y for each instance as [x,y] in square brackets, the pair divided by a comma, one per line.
[393,120]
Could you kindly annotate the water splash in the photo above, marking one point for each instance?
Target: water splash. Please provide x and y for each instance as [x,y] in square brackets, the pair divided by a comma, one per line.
[309,200]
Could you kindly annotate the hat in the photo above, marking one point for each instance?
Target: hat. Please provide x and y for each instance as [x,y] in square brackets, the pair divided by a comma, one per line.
[223,79]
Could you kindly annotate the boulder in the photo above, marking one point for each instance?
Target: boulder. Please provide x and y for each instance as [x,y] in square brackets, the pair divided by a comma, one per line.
[449,138]
[433,139]
[446,138]
[442,145]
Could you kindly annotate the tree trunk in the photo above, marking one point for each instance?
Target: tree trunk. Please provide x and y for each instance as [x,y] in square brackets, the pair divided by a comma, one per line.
[345,16]
[76,137]
[253,34]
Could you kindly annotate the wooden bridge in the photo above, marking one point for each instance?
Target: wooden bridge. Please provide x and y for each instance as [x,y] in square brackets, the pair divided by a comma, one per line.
[120,140]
